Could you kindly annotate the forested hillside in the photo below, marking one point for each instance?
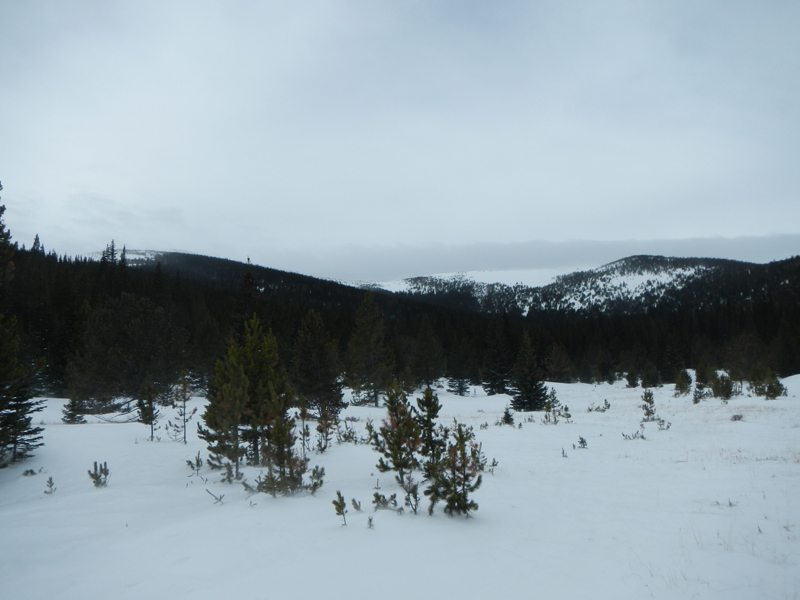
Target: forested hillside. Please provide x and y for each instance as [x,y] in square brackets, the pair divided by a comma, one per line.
[740,317]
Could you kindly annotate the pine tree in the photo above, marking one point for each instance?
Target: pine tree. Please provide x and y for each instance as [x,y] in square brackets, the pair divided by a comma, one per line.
[460,474]
[369,360]
[316,366]
[224,413]
[399,437]
[433,437]
[268,386]
[530,392]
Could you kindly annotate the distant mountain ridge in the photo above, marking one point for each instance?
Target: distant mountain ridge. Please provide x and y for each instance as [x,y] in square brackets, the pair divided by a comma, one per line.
[633,284]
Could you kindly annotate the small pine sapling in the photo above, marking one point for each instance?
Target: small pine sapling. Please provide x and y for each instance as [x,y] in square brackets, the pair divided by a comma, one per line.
[582,442]
[356,505]
[381,502]
[317,474]
[345,434]
[648,406]
[699,394]
[230,475]
[553,409]
[195,465]
[100,475]
[51,488]
[182,395]
[411,488]
[341,507]
[326,425]
[370,524]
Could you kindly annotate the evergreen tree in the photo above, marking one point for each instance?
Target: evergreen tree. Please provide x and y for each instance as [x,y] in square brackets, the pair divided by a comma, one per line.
[428,355]
[316,366]
[559,365]
[146,404]
[497,362]
[224,413]
[181,395]
[650,377]
[433,438]
[18,436]
[683,383]
[458,386]
[268,386]
[369,360]
[399,437]
[460,474]
[530,392]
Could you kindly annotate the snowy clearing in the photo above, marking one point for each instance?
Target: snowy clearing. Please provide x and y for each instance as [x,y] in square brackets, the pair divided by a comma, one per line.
[709,508]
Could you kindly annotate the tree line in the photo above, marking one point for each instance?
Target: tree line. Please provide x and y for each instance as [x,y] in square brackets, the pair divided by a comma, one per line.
[97,331]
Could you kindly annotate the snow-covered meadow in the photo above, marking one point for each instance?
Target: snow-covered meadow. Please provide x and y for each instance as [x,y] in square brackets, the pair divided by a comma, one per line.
[709,508]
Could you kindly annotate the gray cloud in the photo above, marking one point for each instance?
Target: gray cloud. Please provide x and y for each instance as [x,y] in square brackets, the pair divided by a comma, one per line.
[332,129]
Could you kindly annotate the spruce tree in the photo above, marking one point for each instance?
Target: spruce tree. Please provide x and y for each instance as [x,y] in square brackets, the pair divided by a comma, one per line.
[18,436]
[529,390]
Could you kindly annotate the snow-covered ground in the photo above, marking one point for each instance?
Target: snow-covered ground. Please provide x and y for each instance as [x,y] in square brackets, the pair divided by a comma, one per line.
[707,509]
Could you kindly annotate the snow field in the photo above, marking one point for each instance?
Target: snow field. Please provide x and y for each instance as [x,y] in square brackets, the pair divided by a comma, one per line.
[708,509]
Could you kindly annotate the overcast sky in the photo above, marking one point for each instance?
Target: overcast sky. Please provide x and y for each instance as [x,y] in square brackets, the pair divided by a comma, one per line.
[376,140]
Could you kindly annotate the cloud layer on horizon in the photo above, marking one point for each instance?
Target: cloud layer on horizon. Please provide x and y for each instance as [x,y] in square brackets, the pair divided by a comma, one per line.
[354,132]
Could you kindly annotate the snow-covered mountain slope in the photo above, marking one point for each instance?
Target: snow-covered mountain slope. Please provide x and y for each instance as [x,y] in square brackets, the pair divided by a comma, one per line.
[636,281]
[132,256]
